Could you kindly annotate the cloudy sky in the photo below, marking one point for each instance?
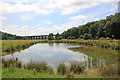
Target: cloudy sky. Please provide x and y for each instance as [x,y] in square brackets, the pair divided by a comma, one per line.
[38,17]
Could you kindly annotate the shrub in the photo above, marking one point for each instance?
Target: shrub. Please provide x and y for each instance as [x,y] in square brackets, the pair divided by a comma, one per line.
[102,38]
[11,63]
[39,67]
[62,69]
[107,38]
[110,70]
[87,36]
[76,67]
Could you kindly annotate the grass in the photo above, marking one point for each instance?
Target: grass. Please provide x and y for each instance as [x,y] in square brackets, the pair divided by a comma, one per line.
[11,69]
[11,46]
[24,73]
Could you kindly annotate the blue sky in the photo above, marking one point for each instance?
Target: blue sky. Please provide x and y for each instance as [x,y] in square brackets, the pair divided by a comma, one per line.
[39,18]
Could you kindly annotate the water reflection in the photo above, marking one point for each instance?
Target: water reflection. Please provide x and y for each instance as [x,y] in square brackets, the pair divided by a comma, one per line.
[97,57]
[55,53]
[52,53]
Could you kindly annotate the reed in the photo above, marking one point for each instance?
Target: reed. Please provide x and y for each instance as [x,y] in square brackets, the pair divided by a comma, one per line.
[41,67]
[109,71]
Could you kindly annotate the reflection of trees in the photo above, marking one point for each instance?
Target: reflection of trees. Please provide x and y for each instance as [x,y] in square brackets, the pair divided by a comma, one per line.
[51,44]
[57,44]
[93,62]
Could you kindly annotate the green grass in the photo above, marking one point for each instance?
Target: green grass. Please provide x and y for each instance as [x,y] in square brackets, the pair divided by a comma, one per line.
[11,46]
[24,73]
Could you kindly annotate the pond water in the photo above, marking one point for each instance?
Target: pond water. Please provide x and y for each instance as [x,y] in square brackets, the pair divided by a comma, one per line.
[55,53]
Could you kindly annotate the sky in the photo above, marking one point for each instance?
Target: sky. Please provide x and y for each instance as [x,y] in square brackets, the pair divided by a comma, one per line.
[41,17]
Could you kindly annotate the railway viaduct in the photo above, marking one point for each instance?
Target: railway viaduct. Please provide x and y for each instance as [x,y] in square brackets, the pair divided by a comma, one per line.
[36,37]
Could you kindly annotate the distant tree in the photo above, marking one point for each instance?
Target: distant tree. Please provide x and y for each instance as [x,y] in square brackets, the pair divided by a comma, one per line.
[87,36]
[58,36]
[50,36]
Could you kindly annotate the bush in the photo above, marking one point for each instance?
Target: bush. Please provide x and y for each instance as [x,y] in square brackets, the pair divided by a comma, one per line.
[62,69]
[110,70]
[87,36]
[11,63]
[102,38]
[76,67]
[39,67]
[107,38]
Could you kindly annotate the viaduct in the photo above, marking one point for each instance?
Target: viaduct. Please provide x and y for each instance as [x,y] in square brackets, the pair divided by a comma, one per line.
[36,37]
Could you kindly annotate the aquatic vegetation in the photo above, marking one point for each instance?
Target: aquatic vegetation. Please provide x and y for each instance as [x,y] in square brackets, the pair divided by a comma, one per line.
[62,69]
[41,67]
[77,68]
[109,70]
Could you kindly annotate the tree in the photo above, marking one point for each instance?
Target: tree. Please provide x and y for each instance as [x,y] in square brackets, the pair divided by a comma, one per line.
[50,36]
[58,36]
[87,36]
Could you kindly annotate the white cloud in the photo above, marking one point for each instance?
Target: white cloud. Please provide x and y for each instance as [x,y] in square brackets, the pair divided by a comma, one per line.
[97,19]
[114,7]
[46,22]
[7,8]
[79,17]
[25,17]
[58,0]
[3,18]
[33,30]
[65,7]
[76,6]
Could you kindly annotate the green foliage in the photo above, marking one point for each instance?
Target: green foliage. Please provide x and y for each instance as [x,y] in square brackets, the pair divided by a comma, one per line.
[62,69]
[108,27]
[76,67]
[50,36]
[58,36]
[11,63]
[87,36]
[39,67]
[6,36]
[102,38]
[110,70]
[70,33]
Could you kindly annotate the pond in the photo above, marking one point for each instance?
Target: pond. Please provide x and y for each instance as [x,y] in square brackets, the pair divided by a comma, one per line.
[55,53]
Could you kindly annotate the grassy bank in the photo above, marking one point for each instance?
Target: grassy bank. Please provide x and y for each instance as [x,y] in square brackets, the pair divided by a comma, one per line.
[10,46]
[112,44]
[12,68]
[24,73]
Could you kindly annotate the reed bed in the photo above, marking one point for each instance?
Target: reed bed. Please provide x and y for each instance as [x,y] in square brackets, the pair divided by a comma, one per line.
[70,71]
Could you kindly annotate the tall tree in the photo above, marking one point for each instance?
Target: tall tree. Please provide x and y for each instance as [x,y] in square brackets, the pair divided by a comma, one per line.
[51,36]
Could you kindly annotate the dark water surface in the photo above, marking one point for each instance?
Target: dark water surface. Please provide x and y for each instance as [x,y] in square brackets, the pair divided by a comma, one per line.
[55,53]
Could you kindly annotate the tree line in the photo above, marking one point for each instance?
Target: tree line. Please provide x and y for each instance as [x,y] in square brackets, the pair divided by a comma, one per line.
[103,29]
[7,36]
